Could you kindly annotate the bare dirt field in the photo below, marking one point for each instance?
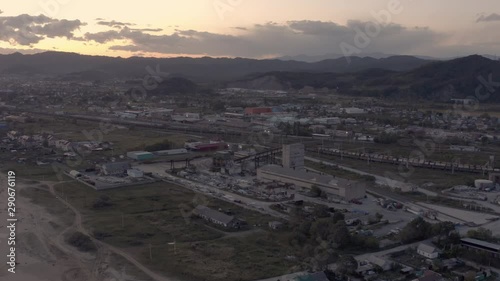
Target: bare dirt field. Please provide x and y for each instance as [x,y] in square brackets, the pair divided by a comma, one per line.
[42,253]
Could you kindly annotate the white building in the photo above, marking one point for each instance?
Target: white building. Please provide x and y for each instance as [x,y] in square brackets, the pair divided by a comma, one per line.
[134,173]
[427,251]
[354,110]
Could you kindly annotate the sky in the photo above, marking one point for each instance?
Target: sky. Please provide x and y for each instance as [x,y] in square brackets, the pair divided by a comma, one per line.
[251,28]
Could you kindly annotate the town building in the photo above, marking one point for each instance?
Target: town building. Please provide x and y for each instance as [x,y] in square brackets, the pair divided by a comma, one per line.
[257,110]
[216,217]
[134,173]
[171,152]
[382,263]
[341,188]
[427,251]
[293,156]
[115,169]
[483,246]
[140,155]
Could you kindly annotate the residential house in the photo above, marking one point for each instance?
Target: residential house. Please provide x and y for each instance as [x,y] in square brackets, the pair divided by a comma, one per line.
[380,262]
[427,251]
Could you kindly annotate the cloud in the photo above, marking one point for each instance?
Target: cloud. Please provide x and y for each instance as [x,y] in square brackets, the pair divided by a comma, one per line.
[27,30]
[488,18]
[114,23]
[270,39]
[147,29]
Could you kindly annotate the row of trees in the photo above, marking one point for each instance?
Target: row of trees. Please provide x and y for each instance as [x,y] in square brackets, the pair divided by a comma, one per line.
[320,240]
[419,229]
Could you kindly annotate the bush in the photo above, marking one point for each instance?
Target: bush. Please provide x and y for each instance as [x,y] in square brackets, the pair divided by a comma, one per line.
[81,241]
[102,202]
[164,145]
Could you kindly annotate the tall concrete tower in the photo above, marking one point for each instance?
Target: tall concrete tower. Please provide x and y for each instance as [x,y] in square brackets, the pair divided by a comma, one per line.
[293,156]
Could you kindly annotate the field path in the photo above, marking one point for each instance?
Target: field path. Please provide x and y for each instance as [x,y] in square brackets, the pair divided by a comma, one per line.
[129,258]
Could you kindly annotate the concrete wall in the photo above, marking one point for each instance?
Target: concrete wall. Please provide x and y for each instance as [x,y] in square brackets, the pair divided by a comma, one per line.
[293,156]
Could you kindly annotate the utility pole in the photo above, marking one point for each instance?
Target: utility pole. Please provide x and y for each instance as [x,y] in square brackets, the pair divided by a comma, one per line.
[150,252]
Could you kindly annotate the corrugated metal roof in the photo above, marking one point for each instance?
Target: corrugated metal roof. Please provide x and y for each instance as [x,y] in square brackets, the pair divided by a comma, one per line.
[481,243]
[213,214]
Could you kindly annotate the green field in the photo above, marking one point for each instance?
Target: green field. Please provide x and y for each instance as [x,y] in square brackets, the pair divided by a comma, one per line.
[124,139]
[33,172]
[160,213]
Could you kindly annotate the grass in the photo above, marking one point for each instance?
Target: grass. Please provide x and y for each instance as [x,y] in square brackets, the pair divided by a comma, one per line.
[124,139]
[33,172]
[225,259]
[160,213]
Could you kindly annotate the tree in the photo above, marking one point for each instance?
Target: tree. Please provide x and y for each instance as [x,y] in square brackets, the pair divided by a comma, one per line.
[338,216]
[316,191]
[481,234]
[341,235]
[442,230]
[321,229]
[321,211]
[347,265]
[371,242]
[417,229]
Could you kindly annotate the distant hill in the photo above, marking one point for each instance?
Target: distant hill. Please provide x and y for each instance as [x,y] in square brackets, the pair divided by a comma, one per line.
[440,81]
[169,86]
[75,66]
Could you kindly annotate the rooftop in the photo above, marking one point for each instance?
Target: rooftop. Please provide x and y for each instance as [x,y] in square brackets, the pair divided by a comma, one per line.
[481,243]
[304,175]
[213,214]
[427,248]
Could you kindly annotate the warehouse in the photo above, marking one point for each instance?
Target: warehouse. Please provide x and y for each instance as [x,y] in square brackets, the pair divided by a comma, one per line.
[479,245]
[210,146]
[342,188]
[171,152]
[257,110]
[140,155]
[216,217]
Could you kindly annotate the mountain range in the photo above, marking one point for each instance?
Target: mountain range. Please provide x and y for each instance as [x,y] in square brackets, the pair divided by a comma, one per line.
[473,76]
[393,76]
[73,66]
